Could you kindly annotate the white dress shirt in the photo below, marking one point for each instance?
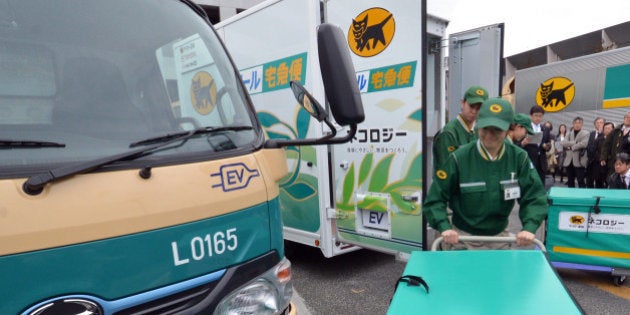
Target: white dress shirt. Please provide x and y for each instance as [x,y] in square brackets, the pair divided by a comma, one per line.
[536,127]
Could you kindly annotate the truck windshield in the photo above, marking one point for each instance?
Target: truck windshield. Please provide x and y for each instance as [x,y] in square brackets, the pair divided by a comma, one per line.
[82,80]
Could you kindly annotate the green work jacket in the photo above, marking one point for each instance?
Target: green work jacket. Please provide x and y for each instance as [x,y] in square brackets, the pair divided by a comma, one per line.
[473,186]
[453,135]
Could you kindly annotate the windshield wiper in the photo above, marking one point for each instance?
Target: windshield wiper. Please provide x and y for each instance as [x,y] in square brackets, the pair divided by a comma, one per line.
[197,131]
[35,184]
[28,144]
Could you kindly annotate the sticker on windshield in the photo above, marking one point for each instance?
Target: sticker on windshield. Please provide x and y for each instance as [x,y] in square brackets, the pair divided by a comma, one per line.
[203,92]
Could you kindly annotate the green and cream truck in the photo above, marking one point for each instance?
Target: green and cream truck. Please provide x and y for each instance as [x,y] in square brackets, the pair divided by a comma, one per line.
[135,177]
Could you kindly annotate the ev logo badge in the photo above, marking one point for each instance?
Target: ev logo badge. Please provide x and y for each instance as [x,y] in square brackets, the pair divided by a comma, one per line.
[234,176]
[371,32]
[555,94]
[203,92]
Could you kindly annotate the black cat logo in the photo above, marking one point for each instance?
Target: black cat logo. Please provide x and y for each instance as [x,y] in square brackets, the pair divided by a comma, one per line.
[203,92]
[577,219]
[555,94]
[371,32]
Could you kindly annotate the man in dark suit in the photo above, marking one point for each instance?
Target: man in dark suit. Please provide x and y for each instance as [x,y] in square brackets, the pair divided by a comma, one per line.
[593,166]
[618,141]
[537,150]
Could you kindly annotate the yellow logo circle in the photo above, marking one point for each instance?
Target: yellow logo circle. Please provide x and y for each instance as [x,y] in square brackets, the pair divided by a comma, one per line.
[203,92]
[496,108]
[480,92]
[371,32]
[441,174]
[577,219]
[555,94]
[451,148]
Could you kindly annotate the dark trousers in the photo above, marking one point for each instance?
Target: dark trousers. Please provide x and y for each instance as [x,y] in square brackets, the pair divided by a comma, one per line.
[595,175]
[572,173]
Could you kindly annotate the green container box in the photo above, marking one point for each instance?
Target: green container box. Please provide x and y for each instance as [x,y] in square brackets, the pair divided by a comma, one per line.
[589,226]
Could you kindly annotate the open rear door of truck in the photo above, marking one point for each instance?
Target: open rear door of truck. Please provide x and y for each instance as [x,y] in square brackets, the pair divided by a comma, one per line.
[474,58]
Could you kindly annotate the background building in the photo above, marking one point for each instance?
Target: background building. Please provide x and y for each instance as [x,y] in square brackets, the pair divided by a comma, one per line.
[219,10]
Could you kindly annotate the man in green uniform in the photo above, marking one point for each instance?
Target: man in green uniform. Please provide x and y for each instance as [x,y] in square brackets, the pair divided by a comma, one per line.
[460,130]
[480,182]
[520,128]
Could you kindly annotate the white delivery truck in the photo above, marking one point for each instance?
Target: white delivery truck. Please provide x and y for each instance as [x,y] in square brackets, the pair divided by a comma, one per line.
[368,192]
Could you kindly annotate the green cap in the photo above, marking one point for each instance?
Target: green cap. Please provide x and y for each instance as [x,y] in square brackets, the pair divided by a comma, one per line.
[525,121]
[495,112]
[475,94]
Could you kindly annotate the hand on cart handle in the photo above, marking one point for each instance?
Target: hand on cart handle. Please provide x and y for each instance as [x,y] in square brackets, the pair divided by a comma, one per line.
[524,238]
[490,239]
[450,236]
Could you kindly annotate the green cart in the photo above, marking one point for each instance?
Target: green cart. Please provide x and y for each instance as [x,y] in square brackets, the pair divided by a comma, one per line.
[482,282]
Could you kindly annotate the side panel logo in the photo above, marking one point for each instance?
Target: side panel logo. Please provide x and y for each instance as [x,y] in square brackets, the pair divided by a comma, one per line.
[576,219]
[371,32]
[555,94]
[203,92]
[234,176]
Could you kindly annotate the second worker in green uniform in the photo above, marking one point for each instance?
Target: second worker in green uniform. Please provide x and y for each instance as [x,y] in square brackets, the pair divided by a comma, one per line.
[460,130]
[481,181]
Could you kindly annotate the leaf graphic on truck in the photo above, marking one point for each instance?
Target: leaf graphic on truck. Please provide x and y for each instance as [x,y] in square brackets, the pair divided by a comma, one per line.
[375,180]
[298,191]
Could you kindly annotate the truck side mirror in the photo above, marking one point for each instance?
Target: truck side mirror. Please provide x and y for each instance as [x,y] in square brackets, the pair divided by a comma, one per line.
[340,86]
[339,76]
[308,102]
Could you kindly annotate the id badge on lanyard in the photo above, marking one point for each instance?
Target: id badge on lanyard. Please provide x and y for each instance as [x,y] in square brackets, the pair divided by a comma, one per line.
[511,189]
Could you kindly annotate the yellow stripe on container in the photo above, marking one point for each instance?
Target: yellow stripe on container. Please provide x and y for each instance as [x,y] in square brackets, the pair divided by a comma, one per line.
[619,102]
[590,252]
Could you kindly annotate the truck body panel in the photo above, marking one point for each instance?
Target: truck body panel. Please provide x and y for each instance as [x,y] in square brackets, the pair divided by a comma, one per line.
[589,86]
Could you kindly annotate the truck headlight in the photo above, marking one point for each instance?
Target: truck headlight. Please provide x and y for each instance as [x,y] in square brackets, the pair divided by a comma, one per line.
[268,294]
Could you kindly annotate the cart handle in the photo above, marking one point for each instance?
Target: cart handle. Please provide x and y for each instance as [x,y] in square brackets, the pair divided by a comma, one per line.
[489,239]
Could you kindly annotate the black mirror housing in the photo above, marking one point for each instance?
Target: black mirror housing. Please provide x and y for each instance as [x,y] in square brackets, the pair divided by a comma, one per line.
[340,82]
